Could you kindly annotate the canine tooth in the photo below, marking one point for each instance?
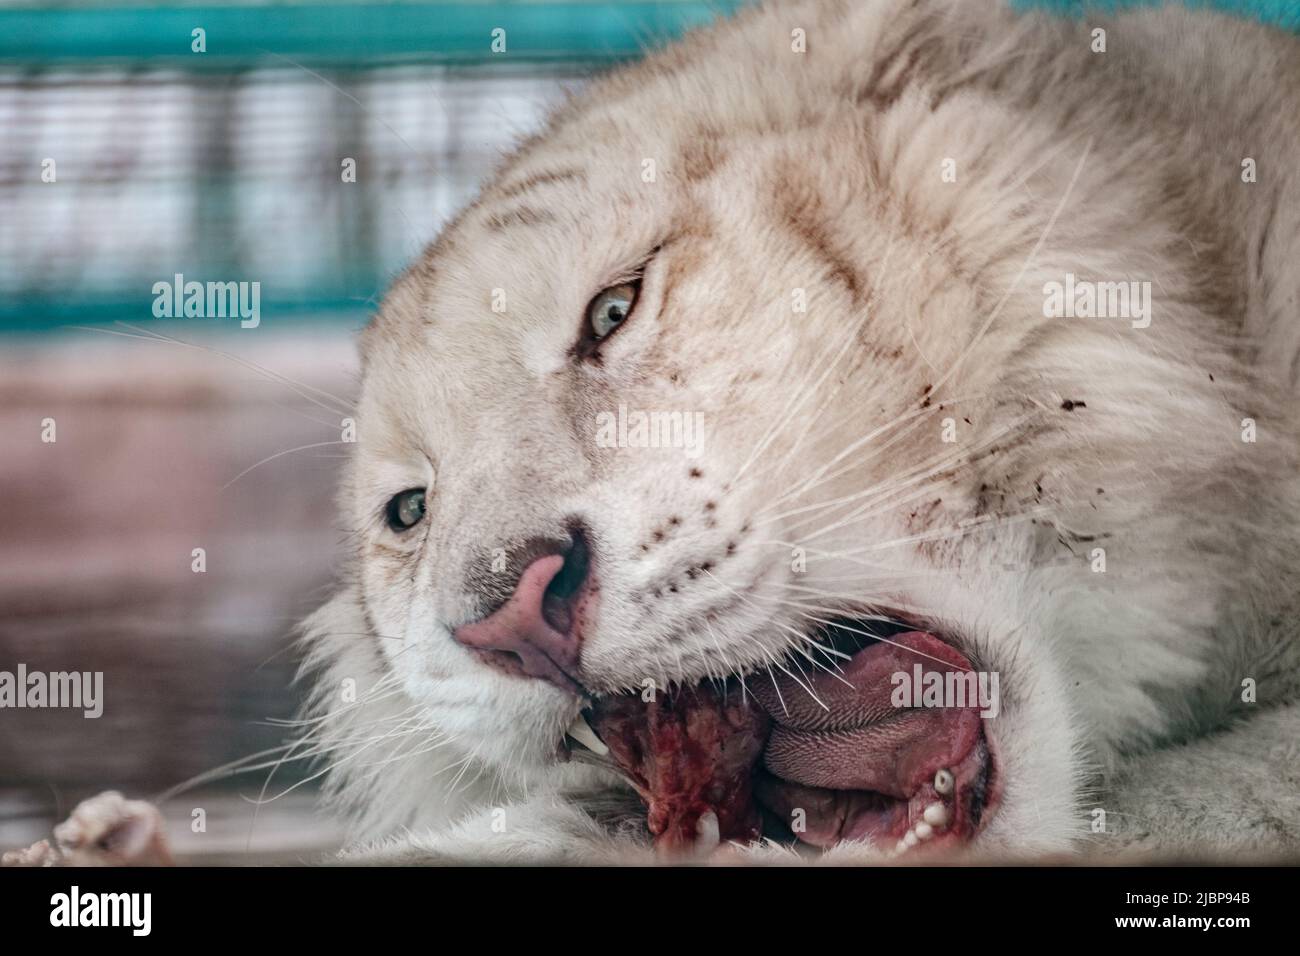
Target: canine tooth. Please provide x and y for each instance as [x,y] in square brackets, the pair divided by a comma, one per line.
[924,831]
[943,781]
[936,814]
[899,847]
[581,731]
[910,839]
[708,834]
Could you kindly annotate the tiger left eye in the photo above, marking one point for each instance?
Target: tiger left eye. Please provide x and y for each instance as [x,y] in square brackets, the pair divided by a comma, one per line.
[610,309]
[405,510]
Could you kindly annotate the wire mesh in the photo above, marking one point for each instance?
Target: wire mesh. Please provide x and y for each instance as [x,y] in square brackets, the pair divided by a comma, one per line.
[128,157]
[241,176]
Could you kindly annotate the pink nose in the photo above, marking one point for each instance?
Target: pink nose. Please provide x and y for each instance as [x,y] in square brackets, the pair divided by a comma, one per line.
[519,639]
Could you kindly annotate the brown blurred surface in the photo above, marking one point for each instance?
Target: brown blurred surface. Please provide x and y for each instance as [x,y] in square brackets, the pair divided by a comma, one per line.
[232,830]
[96,536]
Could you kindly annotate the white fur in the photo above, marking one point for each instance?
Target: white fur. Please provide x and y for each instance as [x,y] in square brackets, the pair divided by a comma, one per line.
[821,171]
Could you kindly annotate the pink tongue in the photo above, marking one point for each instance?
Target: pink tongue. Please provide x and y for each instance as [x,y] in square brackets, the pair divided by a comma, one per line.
[861,739]
[863,766]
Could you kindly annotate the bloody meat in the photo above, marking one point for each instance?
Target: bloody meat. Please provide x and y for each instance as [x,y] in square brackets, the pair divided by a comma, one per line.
[688,752]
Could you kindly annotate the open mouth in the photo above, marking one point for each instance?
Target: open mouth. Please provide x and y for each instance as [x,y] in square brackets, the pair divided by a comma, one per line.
[820,755]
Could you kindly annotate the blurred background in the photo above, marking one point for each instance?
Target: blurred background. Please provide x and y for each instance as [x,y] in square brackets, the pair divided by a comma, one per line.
[133,149]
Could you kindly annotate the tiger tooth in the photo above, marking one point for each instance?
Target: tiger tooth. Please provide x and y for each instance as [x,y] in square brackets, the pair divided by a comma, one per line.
[708,833]
[910,839]
[943,781]
[581,731]
[936,814]
[924,831]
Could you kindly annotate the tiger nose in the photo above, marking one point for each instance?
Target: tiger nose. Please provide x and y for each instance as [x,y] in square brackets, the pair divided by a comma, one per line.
[537,632]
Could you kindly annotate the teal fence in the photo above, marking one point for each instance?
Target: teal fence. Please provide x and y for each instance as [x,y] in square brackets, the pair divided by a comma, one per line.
[127,157]
[348,35]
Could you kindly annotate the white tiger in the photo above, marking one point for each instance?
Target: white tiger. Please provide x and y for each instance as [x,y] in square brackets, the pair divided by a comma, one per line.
[840,233]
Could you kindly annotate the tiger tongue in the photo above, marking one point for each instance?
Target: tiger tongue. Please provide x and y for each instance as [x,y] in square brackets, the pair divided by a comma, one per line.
[691,755]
